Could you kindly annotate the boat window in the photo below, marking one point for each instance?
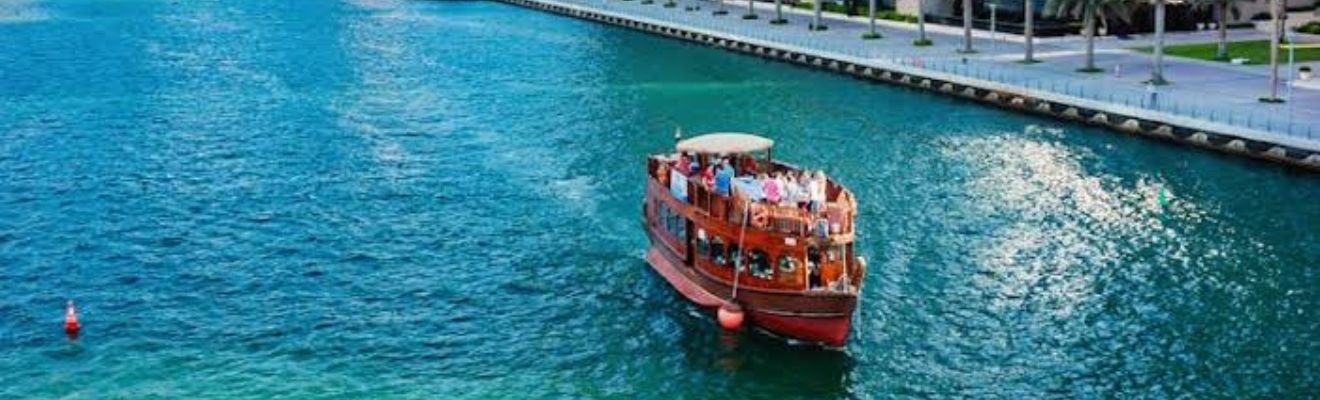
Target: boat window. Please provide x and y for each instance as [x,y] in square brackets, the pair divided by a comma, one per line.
[662,217]
[787,263]
[680,228]
[813,267]
[759,263]
[735,255]
[717,252]
[679,232]
[673,222]
[836,253]
[669,220]
[703,242]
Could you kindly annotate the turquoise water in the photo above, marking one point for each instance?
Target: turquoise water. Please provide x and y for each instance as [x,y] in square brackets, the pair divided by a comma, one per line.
[412,199]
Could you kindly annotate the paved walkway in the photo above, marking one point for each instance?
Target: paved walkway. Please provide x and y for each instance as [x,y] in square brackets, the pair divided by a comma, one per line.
[1211,91]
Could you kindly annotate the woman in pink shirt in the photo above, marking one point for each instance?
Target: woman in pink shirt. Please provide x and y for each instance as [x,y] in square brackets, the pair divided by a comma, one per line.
[770,188]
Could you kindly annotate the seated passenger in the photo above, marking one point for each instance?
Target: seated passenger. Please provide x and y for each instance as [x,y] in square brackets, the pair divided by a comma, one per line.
[681,165]
[818,192]
[792,191]
[807,181]
[770,188]
[802,187]
[723,178]
[708,177]
[749,165]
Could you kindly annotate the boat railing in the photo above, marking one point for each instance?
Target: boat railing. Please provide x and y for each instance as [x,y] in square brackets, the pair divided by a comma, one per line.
[834,219]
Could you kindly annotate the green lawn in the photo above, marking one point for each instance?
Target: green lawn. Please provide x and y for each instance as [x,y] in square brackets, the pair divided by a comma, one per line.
[862,11]
[1258,51]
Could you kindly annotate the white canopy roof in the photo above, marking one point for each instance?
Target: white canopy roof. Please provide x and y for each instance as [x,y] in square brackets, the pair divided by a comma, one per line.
[725,143]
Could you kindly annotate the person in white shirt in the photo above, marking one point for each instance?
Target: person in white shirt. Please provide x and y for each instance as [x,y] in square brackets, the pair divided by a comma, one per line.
[817,192]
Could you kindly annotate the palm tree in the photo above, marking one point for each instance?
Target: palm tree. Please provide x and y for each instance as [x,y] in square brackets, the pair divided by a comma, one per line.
[1028,30]
[1157,71]
[1222,8]
[872,33]
[922,40]
[1090,11]
[779,13]
[815,18]
[967,26]
[1276,30]
[751,10]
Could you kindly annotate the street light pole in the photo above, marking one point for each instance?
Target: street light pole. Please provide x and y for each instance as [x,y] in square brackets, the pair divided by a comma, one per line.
[1292,48]
[993,37]
[1276,29]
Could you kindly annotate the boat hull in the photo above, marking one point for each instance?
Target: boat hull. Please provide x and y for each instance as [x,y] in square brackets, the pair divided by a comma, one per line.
[822,318]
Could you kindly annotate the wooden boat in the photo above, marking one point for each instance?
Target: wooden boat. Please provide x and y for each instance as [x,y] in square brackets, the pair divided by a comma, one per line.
[791,271]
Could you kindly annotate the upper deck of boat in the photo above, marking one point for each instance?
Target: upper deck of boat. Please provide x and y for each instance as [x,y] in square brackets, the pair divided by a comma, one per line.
[833,221]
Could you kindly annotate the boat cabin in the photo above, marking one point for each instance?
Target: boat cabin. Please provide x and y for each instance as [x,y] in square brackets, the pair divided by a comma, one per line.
[714,220]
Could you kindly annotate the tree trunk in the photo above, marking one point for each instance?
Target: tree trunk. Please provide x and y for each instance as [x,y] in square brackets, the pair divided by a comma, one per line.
[1221,51]
[1157,71]
[870,11]
[921,21]
[1089,23]
[1028,29]
[1276,27]
[815,18]
[967,26]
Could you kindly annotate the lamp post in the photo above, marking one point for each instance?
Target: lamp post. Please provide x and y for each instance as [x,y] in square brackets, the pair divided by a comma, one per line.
[1292,48]
[994,40]
[1276,30]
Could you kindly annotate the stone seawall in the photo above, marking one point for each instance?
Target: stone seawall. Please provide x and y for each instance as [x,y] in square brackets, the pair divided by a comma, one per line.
[1131,120]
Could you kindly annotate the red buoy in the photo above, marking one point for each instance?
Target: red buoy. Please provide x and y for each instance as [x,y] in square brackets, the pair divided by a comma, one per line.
[730,316]
[71,325]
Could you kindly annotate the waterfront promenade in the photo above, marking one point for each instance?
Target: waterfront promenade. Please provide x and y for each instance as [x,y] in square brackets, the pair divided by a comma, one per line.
[1218,98]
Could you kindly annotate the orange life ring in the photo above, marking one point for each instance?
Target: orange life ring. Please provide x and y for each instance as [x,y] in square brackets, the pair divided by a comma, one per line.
[760,216]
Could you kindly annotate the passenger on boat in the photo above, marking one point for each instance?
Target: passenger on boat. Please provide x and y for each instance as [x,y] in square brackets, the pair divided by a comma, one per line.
[662,173]
[708,177]
[782,180]
[749,166]
[817,195]
[803,200]
[793,190]
[770,188]
[683,164]
[723,178]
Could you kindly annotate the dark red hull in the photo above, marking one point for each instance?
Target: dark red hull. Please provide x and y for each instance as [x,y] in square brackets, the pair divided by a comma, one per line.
[830,331]
[817,318]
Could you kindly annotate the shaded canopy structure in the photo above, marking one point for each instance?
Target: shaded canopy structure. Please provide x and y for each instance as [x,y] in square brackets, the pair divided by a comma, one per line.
[725,143]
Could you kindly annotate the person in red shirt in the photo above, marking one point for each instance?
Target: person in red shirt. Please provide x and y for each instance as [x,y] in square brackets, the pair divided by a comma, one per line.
[749,166]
